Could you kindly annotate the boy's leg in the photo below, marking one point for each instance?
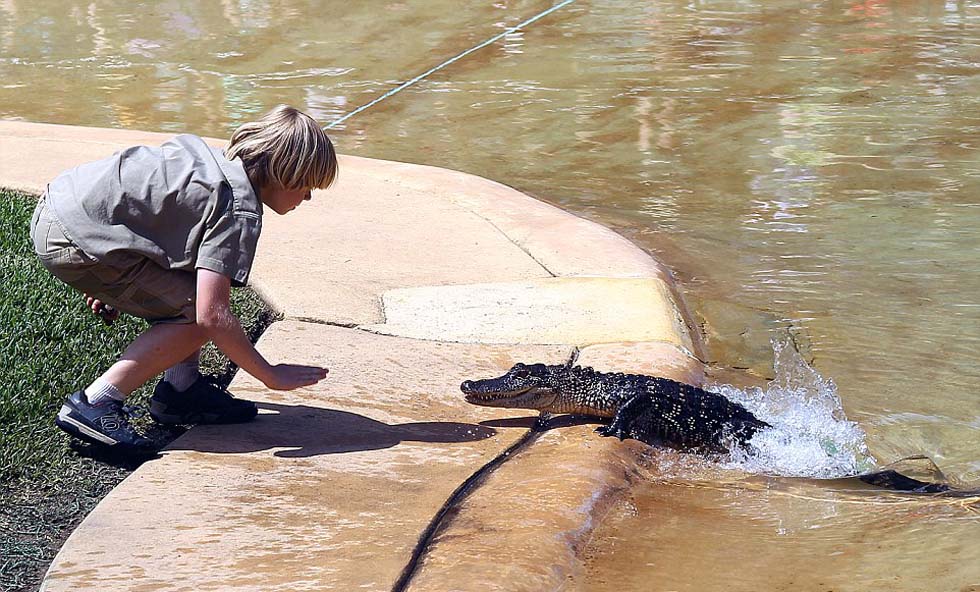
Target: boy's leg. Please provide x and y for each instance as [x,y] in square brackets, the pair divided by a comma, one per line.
[182,375]
[184,396]
[96,414]
[158,348]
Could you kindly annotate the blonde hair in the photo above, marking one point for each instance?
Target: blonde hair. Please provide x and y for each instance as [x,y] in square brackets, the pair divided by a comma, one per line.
[286,148]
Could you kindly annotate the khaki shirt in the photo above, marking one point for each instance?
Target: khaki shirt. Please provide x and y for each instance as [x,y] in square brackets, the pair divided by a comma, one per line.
[183,205]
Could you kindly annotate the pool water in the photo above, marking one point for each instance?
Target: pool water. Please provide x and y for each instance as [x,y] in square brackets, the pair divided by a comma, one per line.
[806,169]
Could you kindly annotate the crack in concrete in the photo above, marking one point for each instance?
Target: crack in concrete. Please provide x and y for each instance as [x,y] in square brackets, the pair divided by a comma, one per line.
[317,321]
[512,241]
[443,518]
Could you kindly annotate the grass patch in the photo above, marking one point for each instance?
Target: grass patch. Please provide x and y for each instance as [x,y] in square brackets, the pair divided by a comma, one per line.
[52,345]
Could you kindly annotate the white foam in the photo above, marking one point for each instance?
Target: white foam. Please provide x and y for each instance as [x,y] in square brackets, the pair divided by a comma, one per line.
[810,435]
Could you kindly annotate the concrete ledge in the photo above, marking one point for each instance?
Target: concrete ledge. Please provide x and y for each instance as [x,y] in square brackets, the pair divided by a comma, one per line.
[334,257]
[660,358]
[579,311]
[523,529]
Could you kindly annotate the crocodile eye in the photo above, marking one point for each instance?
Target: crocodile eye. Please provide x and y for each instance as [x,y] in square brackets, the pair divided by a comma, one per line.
[522,374]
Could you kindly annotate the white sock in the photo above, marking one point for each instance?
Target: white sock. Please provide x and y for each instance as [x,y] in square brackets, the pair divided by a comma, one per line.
[183,375]
[101,391]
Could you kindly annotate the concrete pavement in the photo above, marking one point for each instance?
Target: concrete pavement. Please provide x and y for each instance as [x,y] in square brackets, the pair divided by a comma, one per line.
[404,280]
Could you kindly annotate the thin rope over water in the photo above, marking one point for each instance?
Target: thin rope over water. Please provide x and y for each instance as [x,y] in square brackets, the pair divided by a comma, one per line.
[460,56]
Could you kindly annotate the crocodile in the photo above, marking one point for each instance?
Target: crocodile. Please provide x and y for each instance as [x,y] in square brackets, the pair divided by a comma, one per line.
[651,409]
[654,410]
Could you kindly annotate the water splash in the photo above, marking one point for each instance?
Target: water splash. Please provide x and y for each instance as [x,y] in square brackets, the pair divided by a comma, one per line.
[810,435]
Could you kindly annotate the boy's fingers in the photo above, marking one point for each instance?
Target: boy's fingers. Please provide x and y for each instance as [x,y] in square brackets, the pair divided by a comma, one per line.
[301,375]
[315,374]
[108,315]
[319,370]
[287,377]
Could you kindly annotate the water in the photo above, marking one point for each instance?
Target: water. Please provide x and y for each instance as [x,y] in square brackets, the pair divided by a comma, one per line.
[771,516]
[809,168]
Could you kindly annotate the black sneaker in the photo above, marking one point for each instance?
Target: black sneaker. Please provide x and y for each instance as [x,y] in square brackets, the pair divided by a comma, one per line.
[105,423]
[203,402]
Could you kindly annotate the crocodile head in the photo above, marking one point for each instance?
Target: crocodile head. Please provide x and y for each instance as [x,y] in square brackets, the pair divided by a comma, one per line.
[523,387]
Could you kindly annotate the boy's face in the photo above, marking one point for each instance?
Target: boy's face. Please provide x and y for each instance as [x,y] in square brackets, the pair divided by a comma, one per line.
[282,200]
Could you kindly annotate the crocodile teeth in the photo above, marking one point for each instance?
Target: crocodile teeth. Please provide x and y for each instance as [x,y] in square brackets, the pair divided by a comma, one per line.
[493,396]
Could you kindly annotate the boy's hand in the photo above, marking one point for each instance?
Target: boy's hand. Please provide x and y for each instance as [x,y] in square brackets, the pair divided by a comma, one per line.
[286,377]
[108,313]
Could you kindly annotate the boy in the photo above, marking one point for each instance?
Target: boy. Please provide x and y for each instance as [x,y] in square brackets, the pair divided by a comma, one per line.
[163,234]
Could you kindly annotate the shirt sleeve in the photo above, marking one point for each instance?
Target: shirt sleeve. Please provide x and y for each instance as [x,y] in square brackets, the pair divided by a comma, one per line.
[229,241]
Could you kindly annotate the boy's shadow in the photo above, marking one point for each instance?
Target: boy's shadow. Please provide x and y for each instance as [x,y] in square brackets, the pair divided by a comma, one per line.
[309,431]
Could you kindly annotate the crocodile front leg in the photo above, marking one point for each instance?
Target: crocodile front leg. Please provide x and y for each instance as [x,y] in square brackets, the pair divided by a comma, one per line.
[622,423]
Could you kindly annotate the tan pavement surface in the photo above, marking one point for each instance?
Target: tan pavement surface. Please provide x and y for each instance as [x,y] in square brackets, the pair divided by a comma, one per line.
[404,280]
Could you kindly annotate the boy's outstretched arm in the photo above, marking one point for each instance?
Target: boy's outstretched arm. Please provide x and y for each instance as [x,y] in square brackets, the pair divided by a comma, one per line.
[214,316]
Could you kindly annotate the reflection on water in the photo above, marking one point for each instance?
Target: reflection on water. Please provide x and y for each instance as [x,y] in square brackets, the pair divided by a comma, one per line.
[810,167]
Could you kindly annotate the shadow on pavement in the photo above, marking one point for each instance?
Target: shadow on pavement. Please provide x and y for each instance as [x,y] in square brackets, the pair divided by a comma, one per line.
[544,422]
[511,422]
[120,459]
[310,431]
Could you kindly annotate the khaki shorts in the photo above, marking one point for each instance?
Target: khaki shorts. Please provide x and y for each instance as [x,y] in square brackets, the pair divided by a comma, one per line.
[130,282]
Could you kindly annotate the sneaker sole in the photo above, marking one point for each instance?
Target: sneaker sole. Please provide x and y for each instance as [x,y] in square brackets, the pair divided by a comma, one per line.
[66,422]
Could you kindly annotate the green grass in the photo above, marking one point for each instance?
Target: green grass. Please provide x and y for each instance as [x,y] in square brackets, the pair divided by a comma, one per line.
[51,345]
